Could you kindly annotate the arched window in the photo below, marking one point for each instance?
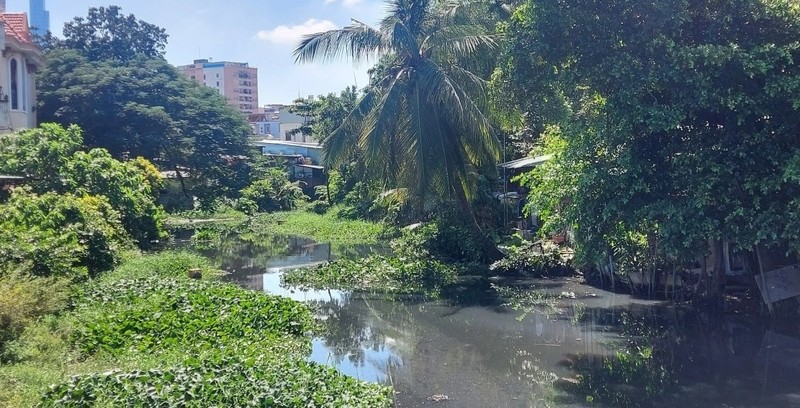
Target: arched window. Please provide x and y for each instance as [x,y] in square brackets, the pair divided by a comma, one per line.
[14,71]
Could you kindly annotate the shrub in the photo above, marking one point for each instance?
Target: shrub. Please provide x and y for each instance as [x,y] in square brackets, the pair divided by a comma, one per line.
[274,192]
[444,238]
[530,260]
[319,207]
[23,299]
[376,273]
[127,189]
[60,235]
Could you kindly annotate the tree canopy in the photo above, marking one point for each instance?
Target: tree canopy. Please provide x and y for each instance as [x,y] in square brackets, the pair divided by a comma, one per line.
[677,120]
[325,113]
[145,108]
[107,34]
[423,128]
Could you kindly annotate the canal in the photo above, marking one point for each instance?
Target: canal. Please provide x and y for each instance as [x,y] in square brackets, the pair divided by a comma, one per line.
[582,347]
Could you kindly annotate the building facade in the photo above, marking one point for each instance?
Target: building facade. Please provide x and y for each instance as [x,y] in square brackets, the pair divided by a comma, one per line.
[40,18]
[236,81]
[19,62]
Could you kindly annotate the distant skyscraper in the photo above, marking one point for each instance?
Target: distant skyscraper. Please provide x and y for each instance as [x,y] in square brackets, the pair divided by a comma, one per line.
[40,18]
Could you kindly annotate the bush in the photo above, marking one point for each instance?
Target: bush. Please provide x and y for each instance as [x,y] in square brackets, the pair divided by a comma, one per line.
[274,192]
[49,156]
[319,207]
[127,189]
[60,235]
[444,239]
[530,260]
[24,299]
[376,273]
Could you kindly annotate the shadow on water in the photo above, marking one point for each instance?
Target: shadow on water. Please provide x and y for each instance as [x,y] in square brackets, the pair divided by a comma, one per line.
[591,348]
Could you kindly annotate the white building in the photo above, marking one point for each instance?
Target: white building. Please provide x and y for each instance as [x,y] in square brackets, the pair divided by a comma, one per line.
[20,61]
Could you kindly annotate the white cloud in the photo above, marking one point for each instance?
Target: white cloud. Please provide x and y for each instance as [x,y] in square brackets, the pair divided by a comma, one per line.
[292,35]
[345,3]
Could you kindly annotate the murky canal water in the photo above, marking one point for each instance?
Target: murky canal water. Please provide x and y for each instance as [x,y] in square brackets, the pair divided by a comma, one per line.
[469,350]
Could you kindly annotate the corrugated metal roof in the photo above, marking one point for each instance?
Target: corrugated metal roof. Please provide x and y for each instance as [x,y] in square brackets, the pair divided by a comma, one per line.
[526,162]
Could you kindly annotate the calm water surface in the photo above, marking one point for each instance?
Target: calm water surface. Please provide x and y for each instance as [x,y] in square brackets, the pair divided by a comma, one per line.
[469,350]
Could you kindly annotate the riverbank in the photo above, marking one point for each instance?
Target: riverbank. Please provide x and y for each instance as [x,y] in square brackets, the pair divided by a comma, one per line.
[148,334]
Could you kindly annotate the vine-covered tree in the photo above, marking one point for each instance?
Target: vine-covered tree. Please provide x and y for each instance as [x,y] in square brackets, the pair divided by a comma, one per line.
[677,119]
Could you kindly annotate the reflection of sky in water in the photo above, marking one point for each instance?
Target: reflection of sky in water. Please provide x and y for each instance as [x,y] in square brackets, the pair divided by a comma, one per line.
[375,362]
[272,285]
[484,355]
[374,369]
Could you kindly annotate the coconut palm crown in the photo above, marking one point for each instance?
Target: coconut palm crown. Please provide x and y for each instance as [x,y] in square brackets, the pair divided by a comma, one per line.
[422,128]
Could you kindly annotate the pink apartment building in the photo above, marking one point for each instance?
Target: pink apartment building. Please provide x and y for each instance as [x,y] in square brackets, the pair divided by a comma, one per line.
[237,81]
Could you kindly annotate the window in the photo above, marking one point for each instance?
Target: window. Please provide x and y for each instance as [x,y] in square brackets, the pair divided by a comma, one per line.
[15,83]
[193,77]
[217,83]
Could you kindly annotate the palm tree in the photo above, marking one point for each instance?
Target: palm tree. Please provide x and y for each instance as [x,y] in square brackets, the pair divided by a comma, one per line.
[422,128]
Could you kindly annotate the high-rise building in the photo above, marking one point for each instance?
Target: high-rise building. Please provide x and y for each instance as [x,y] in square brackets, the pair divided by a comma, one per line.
[236,81]
[40,18]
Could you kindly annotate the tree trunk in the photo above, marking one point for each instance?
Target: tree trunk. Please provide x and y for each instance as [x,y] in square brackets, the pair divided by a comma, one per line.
[489,251]
[713,279]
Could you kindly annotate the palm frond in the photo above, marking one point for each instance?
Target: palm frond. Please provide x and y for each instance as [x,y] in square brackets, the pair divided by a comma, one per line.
[377,129]
[342,144]
[357,41]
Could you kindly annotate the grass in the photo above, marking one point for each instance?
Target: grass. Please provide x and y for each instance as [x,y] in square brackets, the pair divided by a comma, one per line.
[326,227]
[148,335]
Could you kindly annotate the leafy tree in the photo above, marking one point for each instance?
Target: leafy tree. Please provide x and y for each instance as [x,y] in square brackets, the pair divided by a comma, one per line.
[59,235]
[50,157]
[325,113]
[147,108]
[679,120]
[423,127]
[124,185]
[40,154]
[274,192]
[107,34]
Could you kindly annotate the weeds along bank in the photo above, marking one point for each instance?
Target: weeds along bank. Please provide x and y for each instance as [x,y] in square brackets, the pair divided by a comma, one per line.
[146,334]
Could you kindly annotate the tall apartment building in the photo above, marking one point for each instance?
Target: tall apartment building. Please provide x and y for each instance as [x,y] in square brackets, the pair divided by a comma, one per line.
[236,81]
[40,18]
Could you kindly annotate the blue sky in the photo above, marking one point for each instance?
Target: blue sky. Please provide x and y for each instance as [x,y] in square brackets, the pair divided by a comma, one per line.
[261,32]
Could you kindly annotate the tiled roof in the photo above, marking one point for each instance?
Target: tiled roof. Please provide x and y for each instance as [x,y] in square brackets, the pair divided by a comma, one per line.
[16,26]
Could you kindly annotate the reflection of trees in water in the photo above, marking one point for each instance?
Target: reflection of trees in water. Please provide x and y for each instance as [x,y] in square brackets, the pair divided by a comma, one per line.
[352,325]
[677,356]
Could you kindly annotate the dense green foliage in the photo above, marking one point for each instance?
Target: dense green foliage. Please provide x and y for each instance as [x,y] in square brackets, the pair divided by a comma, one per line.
[325,113]
[322,228]
[108,76]
[272,192]
[532,261]
[50,157]
[678,121]
[107,34]
[23,300]
[227,382]
[169,340]
[59,235]
[151,314]
[422,127]
[376,273]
